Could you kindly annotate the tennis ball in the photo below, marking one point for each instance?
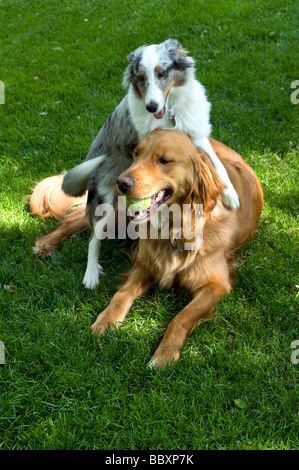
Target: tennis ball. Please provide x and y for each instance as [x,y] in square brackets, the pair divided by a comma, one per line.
[138,205]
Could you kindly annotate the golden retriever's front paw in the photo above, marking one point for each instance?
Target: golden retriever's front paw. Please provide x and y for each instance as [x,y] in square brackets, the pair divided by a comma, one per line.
[100,326]
[163,357]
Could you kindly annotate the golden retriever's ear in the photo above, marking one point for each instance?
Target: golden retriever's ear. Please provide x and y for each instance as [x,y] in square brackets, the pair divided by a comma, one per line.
[207,185]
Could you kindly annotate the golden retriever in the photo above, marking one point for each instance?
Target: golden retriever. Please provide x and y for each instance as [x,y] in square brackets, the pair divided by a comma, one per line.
[166,163]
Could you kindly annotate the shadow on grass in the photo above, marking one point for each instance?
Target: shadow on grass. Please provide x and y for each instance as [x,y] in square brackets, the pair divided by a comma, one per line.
[57,280]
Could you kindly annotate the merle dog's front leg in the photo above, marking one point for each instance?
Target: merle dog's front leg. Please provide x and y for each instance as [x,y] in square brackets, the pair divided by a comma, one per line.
[93,269]
[230,196]
[102,215]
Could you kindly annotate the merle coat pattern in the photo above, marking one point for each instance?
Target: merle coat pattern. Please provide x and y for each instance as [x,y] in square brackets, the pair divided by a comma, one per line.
[163,93]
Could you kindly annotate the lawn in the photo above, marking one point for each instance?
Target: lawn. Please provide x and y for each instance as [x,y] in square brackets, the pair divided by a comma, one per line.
[235,386]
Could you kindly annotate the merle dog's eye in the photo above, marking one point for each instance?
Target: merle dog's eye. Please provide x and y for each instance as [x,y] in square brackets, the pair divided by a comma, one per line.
[162,74]
[140,79]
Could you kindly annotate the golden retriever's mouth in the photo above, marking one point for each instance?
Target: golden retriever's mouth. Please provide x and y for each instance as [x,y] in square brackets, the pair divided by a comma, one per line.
[141,209]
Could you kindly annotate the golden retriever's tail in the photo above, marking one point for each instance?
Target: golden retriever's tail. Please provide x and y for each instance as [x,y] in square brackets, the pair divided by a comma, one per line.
[49,200]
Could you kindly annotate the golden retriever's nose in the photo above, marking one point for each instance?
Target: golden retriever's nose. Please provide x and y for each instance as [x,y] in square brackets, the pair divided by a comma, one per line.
[125,183]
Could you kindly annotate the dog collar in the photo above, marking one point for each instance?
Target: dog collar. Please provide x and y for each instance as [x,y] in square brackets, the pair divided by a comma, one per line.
[171,115]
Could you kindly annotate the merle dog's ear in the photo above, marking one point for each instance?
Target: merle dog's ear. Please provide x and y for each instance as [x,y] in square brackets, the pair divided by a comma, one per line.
[178,54]
[132,69]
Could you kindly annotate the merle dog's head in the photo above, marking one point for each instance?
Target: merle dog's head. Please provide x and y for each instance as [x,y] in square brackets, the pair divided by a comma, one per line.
[154,70]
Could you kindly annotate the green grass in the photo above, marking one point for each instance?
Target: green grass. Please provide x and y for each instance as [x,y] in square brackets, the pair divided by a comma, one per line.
[235,386]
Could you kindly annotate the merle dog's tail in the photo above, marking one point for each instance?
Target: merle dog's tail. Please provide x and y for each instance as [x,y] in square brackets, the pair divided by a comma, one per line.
[76,180]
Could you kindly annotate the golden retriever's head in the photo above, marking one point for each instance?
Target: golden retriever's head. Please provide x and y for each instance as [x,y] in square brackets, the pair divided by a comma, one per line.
[168,168]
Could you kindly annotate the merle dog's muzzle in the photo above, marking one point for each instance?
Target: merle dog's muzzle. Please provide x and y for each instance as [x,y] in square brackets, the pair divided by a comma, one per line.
[152,106]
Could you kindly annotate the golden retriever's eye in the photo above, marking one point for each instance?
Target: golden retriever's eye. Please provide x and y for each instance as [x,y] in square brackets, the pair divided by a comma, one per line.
[135,153]
[163,161]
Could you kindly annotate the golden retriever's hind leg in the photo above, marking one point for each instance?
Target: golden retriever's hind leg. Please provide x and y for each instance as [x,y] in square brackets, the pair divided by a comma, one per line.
[180,328]
[138,281]
[46,245]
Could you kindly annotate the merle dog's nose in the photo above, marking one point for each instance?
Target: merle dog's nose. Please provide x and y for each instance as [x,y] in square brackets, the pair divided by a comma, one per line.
[152,106]
[125,183]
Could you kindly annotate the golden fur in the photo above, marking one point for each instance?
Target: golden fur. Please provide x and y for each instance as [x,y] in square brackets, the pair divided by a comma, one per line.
[207,273]
[48,200]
